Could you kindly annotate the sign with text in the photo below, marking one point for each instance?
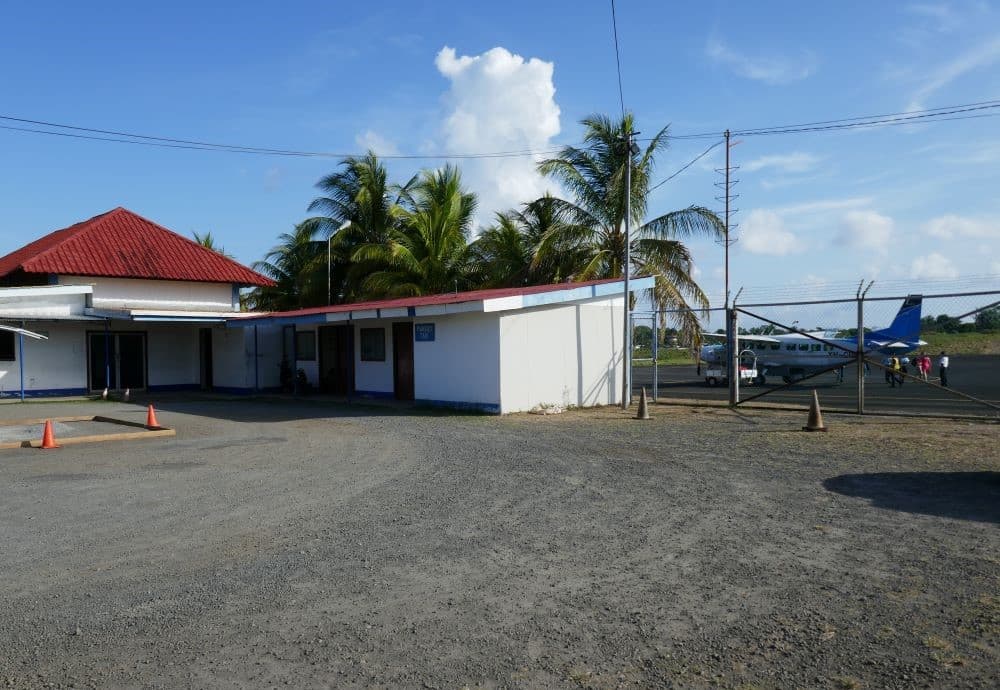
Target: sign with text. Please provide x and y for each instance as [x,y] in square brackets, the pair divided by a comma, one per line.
[424,332]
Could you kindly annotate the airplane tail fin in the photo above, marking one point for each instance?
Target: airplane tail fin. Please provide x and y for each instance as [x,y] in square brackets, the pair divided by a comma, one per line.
[906,326]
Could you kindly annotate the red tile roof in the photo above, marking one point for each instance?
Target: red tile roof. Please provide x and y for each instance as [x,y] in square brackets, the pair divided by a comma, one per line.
[123,244]
[446,298]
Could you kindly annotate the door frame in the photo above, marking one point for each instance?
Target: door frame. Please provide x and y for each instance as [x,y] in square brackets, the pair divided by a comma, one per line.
[111,334]
[408,390]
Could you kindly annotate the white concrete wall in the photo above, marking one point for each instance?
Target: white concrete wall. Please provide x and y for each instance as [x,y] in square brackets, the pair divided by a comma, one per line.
[40,302]
[462,364]
[56,364]
[561,355]
[374,377]
[125,293]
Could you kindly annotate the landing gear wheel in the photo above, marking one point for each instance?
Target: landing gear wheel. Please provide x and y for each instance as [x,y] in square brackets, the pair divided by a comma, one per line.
[761,380]
[712,381]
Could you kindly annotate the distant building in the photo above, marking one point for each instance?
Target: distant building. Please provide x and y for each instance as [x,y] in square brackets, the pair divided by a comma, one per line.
[125,303]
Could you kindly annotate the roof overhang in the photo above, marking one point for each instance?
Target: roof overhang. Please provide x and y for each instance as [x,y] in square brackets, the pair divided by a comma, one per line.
[343,313]
[168,316]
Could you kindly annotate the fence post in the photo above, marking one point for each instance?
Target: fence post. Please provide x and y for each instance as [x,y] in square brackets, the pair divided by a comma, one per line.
[656,356]
[861,354]
[732,338]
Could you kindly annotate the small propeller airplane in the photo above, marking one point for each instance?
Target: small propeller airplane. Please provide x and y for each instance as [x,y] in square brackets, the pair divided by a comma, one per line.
[796,355]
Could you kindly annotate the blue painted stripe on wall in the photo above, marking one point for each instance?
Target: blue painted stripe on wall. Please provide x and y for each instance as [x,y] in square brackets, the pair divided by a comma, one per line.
[383,395]
[46,393]
[458,405]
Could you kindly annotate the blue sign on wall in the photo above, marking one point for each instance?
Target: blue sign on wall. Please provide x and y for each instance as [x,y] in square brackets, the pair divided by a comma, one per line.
[424,332]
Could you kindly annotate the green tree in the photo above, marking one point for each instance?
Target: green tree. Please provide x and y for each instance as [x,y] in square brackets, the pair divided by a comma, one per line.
[208,242]
[298,266]
[988,320]
[594,229]
[359,195]
[429,252]
[505,252]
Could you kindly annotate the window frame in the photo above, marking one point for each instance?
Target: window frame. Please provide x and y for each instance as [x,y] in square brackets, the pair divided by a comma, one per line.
[365,354]
[13,347]
[298,347]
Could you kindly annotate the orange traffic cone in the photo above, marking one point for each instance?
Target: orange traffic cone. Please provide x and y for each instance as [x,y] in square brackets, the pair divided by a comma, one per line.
[815,421]
[48,440]
[151,418]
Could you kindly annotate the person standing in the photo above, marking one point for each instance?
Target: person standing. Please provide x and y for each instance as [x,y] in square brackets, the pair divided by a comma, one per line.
[925,365]
[943,368]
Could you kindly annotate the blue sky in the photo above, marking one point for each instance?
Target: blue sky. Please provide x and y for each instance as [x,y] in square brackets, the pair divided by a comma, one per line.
[896,204]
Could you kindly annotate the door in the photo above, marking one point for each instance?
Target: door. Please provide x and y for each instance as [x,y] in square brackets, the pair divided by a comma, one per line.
[117,360]
[402,360]
[336,359]
[205,357]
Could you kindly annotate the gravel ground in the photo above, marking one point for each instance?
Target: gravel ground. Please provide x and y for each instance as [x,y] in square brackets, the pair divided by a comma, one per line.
[273,544]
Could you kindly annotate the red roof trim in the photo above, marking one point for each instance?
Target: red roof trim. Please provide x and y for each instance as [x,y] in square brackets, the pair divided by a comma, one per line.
[446,298]
[123,244]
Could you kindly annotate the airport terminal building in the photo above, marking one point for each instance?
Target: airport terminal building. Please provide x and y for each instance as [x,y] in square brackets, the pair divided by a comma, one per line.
[125,303]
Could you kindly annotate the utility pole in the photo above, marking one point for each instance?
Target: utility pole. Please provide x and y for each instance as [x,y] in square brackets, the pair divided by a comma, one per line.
[727,219]
[627,269]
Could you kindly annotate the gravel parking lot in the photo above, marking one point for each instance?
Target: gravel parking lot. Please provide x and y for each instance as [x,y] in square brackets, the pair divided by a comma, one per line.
[297,544]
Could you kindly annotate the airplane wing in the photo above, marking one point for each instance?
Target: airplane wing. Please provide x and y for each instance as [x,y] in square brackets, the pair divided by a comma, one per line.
[745,338]
[23,331]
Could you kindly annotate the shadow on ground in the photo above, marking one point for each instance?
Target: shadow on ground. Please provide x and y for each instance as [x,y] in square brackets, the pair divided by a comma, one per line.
[961,495]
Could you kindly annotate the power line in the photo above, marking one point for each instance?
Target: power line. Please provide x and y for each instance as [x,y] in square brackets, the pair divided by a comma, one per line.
[618,60]
[946,113]
[685,167]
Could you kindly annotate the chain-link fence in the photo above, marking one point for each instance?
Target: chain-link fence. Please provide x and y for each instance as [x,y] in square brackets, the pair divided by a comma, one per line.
[936,354]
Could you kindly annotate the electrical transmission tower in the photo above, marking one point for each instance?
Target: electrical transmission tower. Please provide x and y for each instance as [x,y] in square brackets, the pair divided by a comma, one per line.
[728,197]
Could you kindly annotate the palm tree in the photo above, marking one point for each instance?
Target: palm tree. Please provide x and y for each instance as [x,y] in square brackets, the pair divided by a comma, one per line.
[505,252]
[359,193]
[429,252]
[298,266]
[594,227]
[208,242]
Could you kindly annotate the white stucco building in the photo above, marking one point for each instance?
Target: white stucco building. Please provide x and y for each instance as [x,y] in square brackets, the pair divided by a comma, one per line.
[500,351]
[124,303]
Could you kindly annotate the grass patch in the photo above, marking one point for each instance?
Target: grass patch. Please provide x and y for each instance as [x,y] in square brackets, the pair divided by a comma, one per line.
[846,683]
[962,343]
[935,642]
[643,357]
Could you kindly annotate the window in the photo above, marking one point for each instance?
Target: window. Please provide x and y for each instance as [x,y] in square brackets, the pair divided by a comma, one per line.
[372,344]
[789,347]
[305,346]
[7,346]
[816,347]
[776,346]
[804,347]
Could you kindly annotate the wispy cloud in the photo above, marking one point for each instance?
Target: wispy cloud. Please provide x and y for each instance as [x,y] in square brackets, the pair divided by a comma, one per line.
[771,69]
[977,57]
[954,226]
[824,206]
[372,140]
[934,266]
[866,230]
[797,162]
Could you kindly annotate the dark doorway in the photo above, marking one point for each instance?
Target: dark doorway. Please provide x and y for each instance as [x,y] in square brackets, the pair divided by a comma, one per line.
[336,359]
[117,360]
[402,360]
[205,350]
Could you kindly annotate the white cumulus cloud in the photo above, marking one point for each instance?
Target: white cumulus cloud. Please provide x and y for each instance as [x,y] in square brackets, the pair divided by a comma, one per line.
[764,232]
[866,230]
[499,101]
[934,266]
[952,226]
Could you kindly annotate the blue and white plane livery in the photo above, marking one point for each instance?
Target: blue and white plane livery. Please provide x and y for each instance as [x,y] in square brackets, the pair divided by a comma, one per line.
[794,355]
